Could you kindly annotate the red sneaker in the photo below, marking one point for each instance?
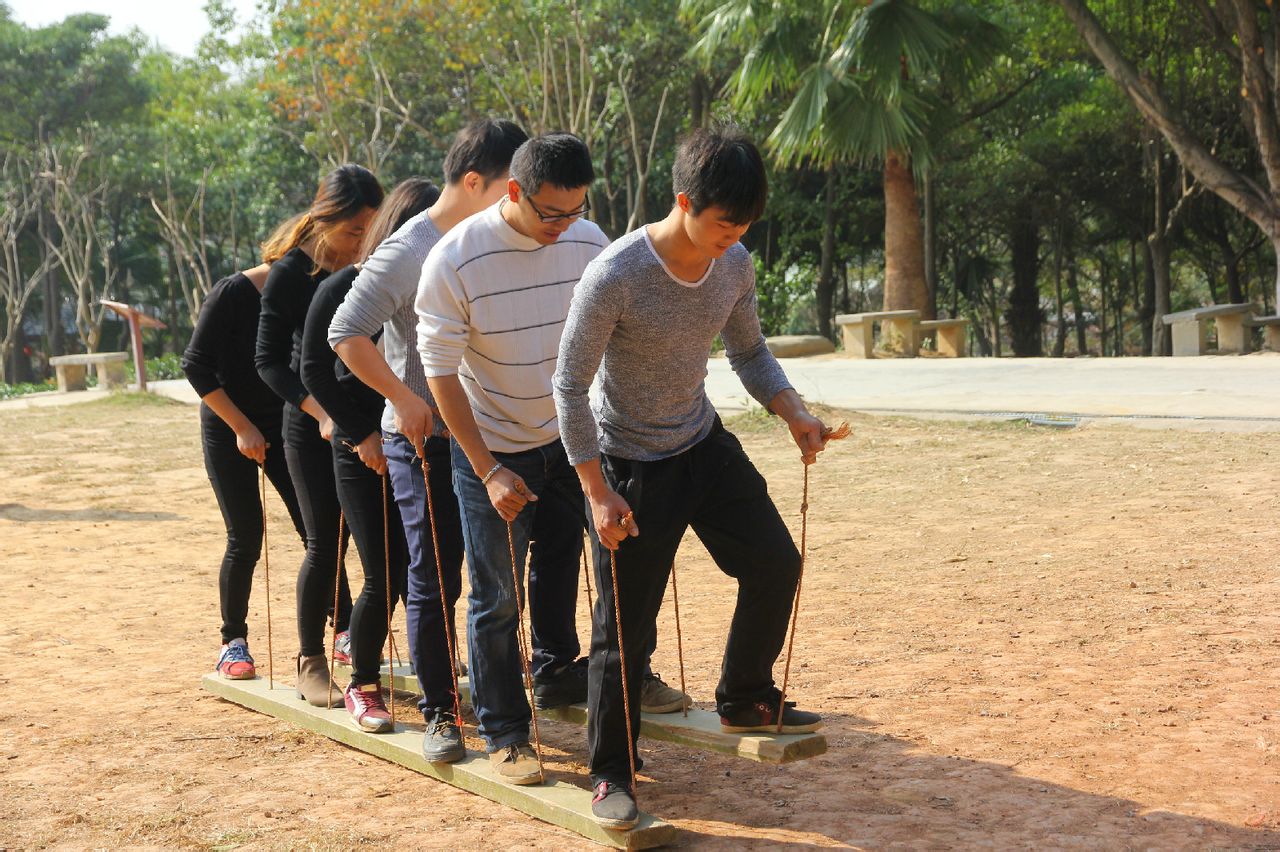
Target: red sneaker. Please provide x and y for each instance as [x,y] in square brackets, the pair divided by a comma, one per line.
[368,710]
[342,647]
[234,663]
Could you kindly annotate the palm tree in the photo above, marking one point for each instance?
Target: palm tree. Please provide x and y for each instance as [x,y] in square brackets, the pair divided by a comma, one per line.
[878,83]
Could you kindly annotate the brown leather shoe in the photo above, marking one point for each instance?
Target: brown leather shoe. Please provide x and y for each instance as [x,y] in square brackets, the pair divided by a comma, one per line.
[313,682]
[516,764]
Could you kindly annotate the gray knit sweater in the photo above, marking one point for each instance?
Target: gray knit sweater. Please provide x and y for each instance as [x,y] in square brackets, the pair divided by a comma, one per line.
[383,292]
[649,335]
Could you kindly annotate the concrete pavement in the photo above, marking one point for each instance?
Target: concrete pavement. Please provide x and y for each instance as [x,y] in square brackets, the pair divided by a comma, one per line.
[1211,392]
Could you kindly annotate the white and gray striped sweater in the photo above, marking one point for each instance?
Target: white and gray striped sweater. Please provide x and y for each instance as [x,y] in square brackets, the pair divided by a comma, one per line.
[491,307]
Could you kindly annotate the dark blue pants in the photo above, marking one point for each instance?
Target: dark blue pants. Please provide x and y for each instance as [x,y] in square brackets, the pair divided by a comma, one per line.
[424,619]
[554,525]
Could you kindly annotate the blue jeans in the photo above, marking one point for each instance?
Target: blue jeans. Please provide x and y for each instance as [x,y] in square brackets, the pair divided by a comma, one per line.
[424,618]
[555,524]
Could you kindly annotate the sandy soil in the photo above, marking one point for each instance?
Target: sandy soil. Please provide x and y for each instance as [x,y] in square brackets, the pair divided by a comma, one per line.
[1020,637]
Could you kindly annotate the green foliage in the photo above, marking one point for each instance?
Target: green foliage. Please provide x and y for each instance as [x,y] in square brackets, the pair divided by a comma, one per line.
[8,391]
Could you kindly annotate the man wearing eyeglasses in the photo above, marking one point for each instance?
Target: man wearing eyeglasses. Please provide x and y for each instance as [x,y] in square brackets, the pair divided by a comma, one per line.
[492,302]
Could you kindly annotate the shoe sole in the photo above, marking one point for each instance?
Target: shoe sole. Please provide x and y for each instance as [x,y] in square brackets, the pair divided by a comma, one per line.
[247,676]
[552,705]
[337,699]
[669,707]
[617,824]
[522,780]
[770,729]
[380,727]
[451,756]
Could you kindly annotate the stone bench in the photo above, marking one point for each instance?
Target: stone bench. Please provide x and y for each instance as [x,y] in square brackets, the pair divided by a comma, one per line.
[898,332]
[1270,331]
[952,335]
[1191,329]
[799,345]
[71,370]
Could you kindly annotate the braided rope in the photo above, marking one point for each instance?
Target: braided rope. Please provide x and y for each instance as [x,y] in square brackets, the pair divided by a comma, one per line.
[266,565]
[391,637]
[622,665]
[450,635]
[675,600]
[524,648]
[337,582]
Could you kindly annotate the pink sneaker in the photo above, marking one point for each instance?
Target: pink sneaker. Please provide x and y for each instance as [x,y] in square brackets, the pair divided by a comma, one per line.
[234,663]
[342,648]
[368,710]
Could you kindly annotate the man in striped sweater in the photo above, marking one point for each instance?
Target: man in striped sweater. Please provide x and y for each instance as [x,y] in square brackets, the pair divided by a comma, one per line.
[491,305]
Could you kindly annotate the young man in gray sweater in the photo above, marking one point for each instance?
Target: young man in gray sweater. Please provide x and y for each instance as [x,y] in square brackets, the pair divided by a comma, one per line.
[383,294]
[654,458]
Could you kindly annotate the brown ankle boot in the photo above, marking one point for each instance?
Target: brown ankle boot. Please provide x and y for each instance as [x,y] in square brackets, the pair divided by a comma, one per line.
[313,682]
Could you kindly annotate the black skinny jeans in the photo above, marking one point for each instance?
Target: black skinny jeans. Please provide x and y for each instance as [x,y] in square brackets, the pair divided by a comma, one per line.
[714,488]
[236,485]
[310,460]
[371,512]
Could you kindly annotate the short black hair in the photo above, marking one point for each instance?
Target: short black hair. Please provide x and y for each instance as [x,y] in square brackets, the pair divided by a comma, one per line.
[560,159]
[484,147]
[721,167]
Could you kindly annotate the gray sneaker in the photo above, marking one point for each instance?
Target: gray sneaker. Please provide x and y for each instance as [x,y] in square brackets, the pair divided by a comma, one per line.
[442,742]
[657,697]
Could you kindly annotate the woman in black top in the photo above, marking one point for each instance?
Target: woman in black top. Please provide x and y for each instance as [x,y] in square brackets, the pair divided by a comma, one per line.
[359,466]
[327,237]
[240,432]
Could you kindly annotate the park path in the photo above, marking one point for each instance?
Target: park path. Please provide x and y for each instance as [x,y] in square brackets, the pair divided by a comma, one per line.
[1217,393]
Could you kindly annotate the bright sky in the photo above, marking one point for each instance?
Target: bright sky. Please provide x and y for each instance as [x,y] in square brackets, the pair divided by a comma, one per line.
[176,24]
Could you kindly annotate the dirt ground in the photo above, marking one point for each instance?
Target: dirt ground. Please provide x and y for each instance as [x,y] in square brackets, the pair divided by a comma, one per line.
[1020,637]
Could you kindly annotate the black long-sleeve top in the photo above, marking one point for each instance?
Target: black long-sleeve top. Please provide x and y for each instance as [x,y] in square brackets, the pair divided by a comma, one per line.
[355,407]
[285,299]
[221,351]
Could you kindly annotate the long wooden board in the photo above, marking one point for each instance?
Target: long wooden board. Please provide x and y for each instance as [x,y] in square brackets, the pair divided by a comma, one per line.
[701,729]
[558,803]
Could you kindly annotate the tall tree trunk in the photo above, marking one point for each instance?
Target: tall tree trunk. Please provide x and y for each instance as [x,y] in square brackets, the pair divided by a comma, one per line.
[1161,260]
[1025,316]
[826,271]
[930,243]
[904,277]
[1060,341]
[1146,307]
[1077,306]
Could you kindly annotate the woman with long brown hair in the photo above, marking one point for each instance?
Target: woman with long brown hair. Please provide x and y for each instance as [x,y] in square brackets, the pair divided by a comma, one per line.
[327,237]
[360,467]
[239,432]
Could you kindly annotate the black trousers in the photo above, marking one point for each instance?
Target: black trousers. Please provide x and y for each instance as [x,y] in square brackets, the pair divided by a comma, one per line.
[714,488]
[236,485]
[370,508]
[310,460]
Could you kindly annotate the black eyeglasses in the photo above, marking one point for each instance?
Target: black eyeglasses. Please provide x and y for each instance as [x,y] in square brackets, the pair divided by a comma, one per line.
[559,217]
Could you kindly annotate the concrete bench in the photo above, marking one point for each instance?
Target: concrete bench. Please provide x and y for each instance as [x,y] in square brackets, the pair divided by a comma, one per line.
[952,335]
[897,330]
[1270,331]
[1191,329]
[798,345]
[71,369]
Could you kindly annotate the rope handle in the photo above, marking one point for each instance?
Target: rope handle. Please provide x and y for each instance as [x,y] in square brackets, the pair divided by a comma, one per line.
[266,565]
[524,648]
[450,633]
[838,433]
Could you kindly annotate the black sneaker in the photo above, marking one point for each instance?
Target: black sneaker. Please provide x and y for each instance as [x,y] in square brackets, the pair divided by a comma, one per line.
[762,717]
[566,686]
[442,741]
[614,807]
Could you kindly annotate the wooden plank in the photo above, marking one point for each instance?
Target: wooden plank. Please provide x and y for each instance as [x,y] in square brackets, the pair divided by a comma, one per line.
[558,803]
[701,729]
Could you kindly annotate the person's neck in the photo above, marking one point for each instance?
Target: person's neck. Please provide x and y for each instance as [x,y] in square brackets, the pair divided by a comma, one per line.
[677,251]
[450,208]
[258,275]
[510,216]
[311,248]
